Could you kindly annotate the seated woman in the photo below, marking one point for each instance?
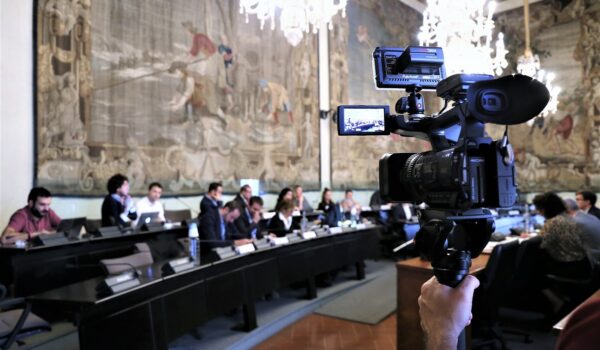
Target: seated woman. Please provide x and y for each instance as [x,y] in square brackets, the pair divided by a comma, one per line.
[561,238]
[285,195]
[327,202]
[282,223]
[566,255]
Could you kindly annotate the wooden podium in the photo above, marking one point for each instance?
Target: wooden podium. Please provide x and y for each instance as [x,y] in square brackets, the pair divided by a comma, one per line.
[412,273]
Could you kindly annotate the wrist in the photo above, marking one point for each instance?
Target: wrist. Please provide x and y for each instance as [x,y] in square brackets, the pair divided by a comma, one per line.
[442,342]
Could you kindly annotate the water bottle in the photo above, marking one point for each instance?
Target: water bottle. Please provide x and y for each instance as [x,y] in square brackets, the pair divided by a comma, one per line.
[303,223]
[193,237]
[527,219]
[353,216]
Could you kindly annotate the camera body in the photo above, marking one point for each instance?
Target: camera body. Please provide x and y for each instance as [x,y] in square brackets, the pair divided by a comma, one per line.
[458,178]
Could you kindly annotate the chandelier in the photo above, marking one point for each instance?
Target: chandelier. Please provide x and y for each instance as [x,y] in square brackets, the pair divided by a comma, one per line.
[296,17]
[463,28]
[529,64]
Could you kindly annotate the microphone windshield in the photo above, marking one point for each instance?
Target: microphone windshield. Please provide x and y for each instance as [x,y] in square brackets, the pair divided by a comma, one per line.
[510,100]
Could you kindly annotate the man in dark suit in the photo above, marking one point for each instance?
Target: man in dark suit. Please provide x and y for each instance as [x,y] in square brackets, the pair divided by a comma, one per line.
[340,212]
[587,203]
[211,201]
[247,223]
[243,197]
[217,229]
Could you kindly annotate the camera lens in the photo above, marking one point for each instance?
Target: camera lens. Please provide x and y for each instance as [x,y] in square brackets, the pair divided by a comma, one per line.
[433,177]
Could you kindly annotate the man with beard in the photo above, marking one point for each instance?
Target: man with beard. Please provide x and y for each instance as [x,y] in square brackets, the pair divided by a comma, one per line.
[36,218]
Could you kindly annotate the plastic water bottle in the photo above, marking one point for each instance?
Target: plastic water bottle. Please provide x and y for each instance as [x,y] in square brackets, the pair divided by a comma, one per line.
[303,223]
[353,216]
[527,218]
[193,236]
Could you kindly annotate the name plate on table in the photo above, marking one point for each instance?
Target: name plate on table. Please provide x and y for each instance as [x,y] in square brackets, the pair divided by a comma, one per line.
[293,237]
[110,231]
[50,239]
[385,207]
[309,235]
[177,265]
[225,252]
[321,231]
[279,241]
[119,283]
[361,226]
[245,249]
[262,244]
[335,230]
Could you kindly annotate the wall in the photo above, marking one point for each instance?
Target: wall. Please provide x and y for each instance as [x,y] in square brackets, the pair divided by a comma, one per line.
[16,105]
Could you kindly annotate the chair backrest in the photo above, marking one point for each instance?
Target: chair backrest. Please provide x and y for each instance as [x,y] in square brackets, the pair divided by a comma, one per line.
[143,257]
[494,281]
[499,270]
[178,215]
[529,266]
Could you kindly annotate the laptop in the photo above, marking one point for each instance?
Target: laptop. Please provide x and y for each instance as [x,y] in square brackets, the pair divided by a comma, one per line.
[71,227]
[148,219]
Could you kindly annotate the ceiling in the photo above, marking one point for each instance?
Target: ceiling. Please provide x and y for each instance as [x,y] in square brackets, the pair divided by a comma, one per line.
[503,5]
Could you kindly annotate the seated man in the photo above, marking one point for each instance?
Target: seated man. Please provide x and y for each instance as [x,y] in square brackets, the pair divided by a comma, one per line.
[589,228]
[150,203]
[217,230]
[118,208]
[587,203]
[243,197]
[339,213]
[36,218]
[247,223]
[211,202]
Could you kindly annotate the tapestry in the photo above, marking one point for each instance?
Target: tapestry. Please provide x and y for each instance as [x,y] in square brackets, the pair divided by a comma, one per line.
[368,24]
[176,91]
[562,153]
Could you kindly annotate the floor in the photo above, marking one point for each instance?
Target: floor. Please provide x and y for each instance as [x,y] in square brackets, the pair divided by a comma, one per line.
[321,332]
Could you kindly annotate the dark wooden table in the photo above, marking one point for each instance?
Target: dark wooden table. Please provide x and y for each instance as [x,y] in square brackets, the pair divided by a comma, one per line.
[162,309]
[31,270]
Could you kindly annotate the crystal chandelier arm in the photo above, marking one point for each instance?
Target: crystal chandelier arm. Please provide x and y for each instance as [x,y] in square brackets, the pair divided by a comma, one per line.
[528,52]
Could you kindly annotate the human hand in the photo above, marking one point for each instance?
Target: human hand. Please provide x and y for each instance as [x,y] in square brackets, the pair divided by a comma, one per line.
[445,311]
[256,217]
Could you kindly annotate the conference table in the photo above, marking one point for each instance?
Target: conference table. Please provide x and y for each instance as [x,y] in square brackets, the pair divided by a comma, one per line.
[33,269]
[163,308]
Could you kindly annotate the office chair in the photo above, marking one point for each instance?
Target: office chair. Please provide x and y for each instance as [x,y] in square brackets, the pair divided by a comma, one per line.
[18,323]
[178,215]
[576,288]
[497,275]
[529,274]
[524,290]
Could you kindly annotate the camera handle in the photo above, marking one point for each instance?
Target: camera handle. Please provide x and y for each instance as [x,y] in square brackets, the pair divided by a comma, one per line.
[450,265]
[449,244]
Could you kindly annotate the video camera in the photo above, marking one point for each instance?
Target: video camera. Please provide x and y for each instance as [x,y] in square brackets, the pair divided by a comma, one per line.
[466,171]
